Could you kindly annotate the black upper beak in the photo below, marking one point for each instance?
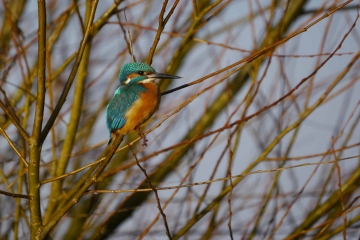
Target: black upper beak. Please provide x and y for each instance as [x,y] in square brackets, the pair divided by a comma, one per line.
[162,75]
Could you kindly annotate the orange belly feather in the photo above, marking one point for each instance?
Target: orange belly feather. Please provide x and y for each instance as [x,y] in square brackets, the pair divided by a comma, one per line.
[142,109]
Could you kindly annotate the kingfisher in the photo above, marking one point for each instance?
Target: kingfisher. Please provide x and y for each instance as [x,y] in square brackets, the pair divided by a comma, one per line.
[135,101]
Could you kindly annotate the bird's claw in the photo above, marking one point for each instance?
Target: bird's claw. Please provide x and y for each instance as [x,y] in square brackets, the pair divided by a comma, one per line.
[142,136]
[144,143]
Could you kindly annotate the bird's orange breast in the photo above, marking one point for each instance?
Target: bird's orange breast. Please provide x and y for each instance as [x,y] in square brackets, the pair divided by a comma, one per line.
[143,108]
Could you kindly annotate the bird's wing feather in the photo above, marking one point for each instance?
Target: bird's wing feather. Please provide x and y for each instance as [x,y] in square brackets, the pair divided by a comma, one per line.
[116,110]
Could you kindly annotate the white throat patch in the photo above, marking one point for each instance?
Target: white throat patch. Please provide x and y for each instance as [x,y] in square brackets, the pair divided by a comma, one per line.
[143,81]
[127,80]
[148,80]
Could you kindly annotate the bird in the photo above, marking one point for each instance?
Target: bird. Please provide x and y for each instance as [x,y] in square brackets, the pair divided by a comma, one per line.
[135,101]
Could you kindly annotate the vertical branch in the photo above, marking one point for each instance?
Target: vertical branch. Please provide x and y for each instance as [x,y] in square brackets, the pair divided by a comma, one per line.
[158,33]
[231,189]
[129,38]
[34,144]
[40,100]
[73,124]
[338,170]
[128,41]
[71,78]
[195,8]
[162,23]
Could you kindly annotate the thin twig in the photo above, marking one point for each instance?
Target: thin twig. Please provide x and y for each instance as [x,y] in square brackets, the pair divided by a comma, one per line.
[13,146]
[14,120]
[260,52]
[14,195]
[312,11]
[155,192]
[231,191]
[129,38]
[328,222]
[219,179]
[162,23]
[208,43]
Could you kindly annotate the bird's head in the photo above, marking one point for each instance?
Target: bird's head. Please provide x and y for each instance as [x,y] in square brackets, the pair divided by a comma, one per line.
[140,72]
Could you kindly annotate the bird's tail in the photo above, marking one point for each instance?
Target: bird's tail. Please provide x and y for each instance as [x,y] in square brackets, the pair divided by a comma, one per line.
[112,137]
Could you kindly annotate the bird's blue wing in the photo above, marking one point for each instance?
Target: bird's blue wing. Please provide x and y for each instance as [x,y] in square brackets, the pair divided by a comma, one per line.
[117,107]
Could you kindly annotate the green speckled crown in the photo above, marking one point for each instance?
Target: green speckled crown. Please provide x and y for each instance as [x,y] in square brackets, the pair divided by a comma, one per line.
[134,67]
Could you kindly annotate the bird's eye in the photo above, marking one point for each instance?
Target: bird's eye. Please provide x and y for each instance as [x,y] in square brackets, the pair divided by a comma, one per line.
[141,72]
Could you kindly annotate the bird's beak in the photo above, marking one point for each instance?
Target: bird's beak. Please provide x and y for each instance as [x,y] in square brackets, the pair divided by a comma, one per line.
[162,76]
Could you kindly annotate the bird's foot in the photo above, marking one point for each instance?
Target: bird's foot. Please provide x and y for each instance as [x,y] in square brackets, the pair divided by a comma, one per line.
[142,136]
